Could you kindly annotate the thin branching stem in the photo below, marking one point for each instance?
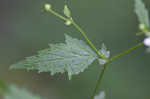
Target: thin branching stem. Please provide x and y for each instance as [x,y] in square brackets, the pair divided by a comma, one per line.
[126,51]
[109,61]
[87,39]
[95,49]
[99,81]
[57,15]
[80,30]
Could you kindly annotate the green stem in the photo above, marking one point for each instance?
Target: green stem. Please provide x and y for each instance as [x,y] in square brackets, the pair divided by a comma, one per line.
[95,49]
[109,61]
[57,15]
[99,81]
[79,29]
[86,38]
[126,51]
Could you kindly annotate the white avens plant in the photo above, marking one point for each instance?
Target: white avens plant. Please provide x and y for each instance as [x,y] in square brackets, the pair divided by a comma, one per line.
[74,56]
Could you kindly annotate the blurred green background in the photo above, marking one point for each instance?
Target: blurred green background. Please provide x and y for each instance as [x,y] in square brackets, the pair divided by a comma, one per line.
[25,29]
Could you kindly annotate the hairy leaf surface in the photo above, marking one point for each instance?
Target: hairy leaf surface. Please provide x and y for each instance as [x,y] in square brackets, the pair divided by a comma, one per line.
[73,57]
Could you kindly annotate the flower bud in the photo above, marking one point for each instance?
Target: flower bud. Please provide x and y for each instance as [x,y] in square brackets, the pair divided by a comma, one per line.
[147,41]
[67,12]
[68,22]
[142,27]
[47,7]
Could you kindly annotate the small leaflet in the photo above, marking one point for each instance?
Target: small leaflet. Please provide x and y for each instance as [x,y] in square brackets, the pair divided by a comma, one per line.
[142,13]
[67,12]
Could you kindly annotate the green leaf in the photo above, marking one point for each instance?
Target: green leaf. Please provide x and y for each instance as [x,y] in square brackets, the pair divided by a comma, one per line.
[101,95]
[73,57]
[142,13]
[67,12]
[18,93]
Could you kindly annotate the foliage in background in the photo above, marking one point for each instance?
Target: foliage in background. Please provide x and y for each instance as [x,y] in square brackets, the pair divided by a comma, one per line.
[13,92]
